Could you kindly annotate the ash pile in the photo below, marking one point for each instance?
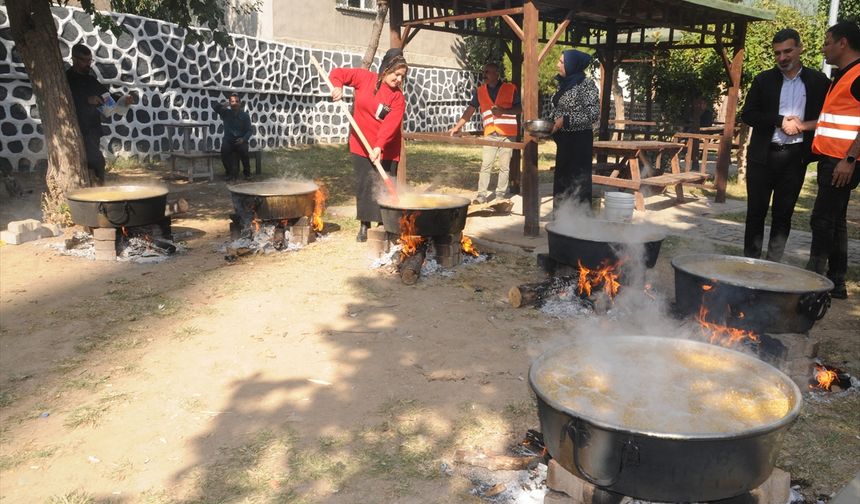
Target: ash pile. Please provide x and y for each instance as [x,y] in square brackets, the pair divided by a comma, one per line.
[253,236]
[143,245]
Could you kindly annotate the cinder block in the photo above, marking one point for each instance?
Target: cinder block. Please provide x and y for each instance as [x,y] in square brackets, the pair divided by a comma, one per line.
[797,345]
[775,490]
[105,255]
[48,230]
[449,261]
[443,250]
[18,238]
[23,226]
[561,480]
[378,246]
[377,233]
[107,233]
[104,245]
[450,239]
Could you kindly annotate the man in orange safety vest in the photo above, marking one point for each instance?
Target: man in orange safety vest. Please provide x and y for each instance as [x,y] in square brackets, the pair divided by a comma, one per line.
[499,103]
[837,142]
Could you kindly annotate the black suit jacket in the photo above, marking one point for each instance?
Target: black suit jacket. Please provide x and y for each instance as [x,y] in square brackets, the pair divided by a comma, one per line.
[761,109]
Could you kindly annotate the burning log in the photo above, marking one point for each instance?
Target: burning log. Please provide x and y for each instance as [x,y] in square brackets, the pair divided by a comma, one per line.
[410,266]
[494,462]
[536,293]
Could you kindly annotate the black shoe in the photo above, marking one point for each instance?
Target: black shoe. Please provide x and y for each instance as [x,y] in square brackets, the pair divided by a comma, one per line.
[362,233]
[839,292]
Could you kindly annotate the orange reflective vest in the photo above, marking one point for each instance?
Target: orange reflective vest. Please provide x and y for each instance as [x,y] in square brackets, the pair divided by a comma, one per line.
[839,122]
[505,124]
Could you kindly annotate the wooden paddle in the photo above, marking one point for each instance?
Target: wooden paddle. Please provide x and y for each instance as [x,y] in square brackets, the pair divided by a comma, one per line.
[385,178]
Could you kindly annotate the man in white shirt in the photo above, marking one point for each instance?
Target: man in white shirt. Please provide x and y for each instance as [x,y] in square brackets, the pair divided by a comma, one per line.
[779,101]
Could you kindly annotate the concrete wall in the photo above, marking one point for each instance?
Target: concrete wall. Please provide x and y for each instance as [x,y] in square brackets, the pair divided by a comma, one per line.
[283,93]
[321,24]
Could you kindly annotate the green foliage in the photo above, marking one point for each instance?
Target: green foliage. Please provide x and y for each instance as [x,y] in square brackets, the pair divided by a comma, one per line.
[476,51]
[849,10]
[203,20]
[680,75]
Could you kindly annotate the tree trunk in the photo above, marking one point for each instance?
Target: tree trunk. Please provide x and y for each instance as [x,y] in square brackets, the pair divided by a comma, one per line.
[36,40]
[381,13]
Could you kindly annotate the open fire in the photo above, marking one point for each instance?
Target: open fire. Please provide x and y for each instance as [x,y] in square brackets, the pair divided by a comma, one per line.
[605,277]
[723,335]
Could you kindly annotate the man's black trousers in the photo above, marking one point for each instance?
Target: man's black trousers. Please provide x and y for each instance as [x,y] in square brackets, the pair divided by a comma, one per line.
[231,153]
[781,176]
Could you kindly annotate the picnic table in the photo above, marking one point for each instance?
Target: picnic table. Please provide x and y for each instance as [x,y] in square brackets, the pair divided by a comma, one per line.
[633,168]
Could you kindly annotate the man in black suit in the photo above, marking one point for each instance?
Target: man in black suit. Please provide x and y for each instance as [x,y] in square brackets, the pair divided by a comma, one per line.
[778,102]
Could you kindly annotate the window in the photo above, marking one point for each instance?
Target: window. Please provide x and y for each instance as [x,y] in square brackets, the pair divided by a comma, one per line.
[361,5]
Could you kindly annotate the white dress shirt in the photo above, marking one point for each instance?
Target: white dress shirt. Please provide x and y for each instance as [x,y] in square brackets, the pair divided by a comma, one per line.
[792,101]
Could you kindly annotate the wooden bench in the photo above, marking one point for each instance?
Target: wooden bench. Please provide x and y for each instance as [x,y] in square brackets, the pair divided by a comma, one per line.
[207,170]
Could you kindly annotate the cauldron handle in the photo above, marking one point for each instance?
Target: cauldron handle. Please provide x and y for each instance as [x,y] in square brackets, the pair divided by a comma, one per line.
[127,210]
[578,435]
[814,304]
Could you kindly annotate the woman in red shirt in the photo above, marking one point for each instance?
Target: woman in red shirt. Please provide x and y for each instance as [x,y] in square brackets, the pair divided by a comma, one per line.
[378,109]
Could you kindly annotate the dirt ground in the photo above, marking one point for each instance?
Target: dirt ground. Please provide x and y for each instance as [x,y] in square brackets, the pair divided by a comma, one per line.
[296,377]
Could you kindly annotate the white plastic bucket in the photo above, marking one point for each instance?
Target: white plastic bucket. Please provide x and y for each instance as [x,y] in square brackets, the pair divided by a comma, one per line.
[618,206]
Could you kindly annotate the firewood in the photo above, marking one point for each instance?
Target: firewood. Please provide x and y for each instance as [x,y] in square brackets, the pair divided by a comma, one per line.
[493,462]
[536,293]
[410,267]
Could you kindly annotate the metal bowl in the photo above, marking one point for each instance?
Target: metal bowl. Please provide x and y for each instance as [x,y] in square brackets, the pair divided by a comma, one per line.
[539,128]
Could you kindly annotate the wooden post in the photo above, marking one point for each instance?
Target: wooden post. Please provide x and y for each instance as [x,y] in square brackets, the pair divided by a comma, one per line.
[395,22]
[725,151]
[607,68]
[516,78]
[530,189]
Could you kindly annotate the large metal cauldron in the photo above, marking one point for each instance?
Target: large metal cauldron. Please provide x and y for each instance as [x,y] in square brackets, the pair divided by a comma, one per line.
[117,206]
[752,294]
[633,448]
[435,214]
[274,200]
[594,242]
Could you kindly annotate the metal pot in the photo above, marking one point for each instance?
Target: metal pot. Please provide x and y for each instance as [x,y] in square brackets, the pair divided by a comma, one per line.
[117,206]
[658,464]
[274,200]
[539,128]
[752,294]
[606,241]
[435,214]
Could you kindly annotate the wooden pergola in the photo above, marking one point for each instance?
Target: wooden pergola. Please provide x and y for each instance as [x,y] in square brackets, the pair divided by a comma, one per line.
[613,28]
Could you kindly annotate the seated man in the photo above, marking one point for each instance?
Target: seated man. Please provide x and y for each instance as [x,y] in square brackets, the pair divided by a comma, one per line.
[237,133]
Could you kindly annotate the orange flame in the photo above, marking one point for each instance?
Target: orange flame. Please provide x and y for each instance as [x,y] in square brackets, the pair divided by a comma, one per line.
[257,222]
[467,246]
[605,275]
[319,207]
[408,237]
[707,287]
[720,334]
[825,376]
[124,231]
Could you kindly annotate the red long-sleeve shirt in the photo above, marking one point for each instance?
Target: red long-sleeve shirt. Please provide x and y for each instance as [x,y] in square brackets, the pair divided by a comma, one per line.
[384,133]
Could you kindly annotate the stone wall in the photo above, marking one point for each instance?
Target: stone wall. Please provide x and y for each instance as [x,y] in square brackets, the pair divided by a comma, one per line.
[282,92]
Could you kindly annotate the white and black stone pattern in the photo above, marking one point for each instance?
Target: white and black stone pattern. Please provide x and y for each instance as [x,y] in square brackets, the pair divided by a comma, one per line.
[285,97]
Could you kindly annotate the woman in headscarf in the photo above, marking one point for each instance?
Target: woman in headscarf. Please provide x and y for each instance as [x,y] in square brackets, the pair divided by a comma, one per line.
[378,109]
[575,109]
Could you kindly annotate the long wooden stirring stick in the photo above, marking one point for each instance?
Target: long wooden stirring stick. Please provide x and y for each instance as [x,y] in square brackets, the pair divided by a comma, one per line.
[385,178]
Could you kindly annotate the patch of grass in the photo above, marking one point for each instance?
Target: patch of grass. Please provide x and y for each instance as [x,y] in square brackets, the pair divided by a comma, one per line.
[822,445]
[76,497]
[92,414]
[86,380]
[802,209]
[14,460]
[69,364]
[7,397]
[186,332]
[440,165]
[120,471]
